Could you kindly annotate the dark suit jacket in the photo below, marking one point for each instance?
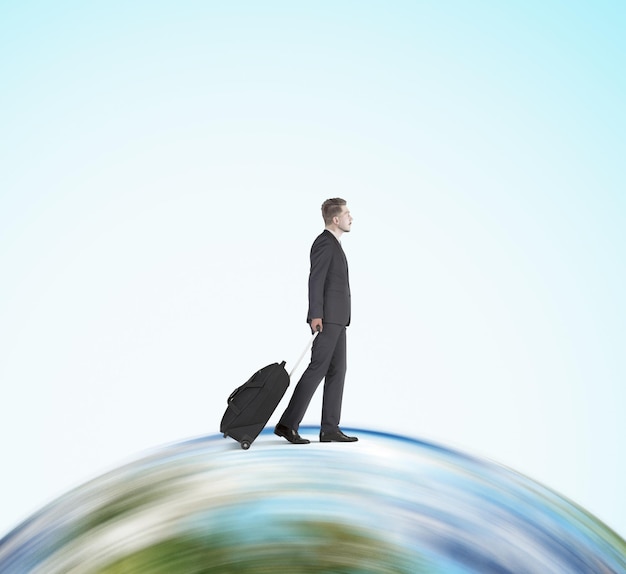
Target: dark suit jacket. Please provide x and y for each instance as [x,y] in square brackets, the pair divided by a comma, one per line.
[329,287]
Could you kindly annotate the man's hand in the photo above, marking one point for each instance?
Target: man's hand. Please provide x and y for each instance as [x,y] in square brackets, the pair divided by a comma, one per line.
[316,325]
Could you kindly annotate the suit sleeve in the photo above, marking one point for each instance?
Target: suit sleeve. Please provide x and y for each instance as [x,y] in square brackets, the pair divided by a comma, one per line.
[321,256]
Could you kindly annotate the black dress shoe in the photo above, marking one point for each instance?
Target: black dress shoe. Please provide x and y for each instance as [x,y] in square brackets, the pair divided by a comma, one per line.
[291,435]
[336,436]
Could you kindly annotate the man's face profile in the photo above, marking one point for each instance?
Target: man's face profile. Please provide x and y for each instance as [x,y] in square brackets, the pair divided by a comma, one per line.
[344,219]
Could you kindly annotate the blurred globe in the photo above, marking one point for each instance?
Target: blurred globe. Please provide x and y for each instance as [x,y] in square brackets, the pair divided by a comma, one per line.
[385,504]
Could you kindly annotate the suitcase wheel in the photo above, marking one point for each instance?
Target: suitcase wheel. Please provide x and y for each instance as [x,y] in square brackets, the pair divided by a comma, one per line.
[245,445]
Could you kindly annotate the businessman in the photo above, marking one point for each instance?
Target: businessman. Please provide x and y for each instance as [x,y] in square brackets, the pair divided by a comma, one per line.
[329,313]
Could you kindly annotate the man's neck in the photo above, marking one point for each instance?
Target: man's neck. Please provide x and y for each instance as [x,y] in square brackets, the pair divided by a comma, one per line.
[336,232]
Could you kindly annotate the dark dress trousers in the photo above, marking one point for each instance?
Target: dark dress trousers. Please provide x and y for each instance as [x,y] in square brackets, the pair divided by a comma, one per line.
[329,299]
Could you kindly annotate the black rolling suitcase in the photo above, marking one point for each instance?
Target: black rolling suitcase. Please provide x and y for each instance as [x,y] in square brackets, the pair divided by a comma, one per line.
[251,405]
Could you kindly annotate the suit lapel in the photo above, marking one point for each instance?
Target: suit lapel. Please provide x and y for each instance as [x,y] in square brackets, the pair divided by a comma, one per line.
[341,251]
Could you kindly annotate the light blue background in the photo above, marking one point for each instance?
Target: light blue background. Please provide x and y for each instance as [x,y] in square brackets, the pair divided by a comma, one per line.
[162,168]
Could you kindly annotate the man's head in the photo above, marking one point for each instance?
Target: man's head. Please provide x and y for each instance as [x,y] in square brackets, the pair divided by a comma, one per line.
[336,215]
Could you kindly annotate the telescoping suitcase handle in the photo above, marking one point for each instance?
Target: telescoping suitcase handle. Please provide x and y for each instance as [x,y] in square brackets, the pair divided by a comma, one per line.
[304,353]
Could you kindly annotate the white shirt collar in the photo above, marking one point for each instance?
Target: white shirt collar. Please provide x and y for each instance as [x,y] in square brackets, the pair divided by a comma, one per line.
[337,237]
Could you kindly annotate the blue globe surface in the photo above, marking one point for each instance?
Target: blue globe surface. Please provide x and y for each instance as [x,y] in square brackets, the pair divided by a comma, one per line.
[385,504]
